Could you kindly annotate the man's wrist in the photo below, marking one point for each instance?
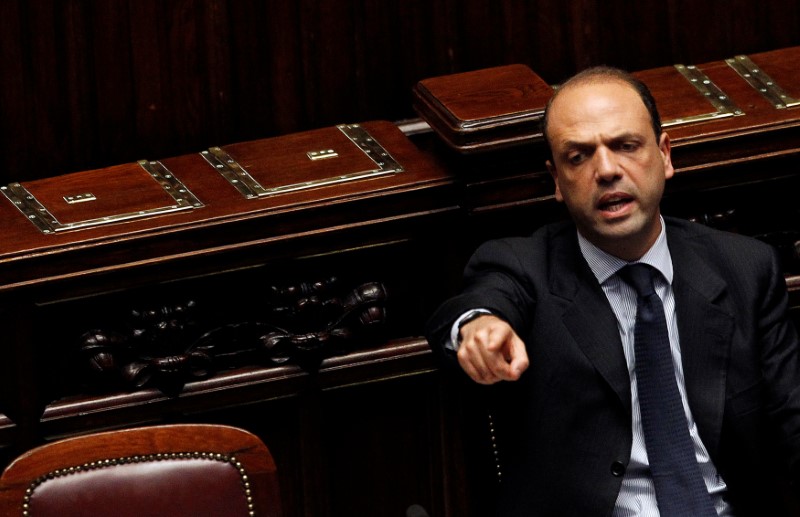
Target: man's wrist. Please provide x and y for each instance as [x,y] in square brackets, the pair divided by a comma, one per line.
[455,332]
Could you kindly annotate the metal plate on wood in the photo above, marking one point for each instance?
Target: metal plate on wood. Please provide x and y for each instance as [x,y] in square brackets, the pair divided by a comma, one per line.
[761,82]
[261,170]
[44,218]
[723,104]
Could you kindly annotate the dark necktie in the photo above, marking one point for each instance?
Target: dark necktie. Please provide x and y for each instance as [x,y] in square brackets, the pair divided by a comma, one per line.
[680,490]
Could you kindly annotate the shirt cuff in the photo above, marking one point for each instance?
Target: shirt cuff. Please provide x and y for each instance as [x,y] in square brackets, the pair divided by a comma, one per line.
[455,336]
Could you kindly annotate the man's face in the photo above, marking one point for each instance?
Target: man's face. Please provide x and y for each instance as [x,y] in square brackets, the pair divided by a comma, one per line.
[608,167]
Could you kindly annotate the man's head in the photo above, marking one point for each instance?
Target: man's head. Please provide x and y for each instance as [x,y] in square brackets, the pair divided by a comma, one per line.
[610,159]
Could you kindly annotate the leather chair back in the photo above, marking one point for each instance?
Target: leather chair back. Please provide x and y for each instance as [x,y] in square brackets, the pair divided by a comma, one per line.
[158,471]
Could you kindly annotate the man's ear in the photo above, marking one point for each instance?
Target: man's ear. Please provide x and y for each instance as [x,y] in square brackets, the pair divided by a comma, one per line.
[554,173]
[665,148]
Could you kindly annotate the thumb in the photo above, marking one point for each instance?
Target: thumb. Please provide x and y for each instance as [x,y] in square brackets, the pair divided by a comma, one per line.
[518,356]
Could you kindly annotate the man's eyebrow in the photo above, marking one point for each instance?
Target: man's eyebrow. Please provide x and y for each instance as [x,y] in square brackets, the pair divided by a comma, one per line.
[627,135]
[574,144]
[621,137]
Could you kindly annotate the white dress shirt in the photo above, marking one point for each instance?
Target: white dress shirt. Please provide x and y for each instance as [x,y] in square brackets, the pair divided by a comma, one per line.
[637,496]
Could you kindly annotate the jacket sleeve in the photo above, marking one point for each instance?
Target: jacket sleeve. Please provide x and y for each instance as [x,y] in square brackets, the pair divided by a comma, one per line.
[780,362]
[495,280]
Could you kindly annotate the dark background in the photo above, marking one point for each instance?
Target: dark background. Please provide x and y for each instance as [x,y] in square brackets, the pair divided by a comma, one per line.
[92,83]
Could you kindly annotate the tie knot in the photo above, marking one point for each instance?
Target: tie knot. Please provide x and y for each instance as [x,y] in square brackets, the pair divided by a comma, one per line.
[640,277]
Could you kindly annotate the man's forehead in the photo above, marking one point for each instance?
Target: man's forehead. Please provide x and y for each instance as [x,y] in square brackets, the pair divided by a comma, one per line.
[587,89]
[604,104]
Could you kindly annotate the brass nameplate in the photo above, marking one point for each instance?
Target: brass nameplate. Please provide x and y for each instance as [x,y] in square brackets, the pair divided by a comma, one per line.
[321,155]
[80,198]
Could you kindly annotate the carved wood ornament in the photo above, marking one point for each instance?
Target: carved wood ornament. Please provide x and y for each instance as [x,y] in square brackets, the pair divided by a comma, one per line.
[306,323]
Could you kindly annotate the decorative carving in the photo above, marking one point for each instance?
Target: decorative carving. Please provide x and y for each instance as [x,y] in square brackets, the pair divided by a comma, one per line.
[725,220]
[160,347]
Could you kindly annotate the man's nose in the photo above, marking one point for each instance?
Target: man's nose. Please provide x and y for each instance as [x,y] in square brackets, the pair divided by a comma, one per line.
[606,164]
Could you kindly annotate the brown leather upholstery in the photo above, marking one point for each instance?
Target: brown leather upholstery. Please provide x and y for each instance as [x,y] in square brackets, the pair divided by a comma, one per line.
[169,470]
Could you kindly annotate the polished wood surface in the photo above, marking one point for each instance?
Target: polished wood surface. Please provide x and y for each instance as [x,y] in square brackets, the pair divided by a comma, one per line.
[484,109]
[28,254]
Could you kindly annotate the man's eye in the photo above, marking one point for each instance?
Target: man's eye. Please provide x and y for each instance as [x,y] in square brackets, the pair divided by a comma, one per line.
[576,158]
[628,146]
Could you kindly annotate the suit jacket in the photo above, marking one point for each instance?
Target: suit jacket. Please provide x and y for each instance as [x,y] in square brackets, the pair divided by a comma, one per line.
[564,429]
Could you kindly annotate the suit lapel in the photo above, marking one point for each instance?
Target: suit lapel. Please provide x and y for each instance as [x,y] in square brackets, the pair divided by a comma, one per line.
[704,327]
[705,331]
[587,314]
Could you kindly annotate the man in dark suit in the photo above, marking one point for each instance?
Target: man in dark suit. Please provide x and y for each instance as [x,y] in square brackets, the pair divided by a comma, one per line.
[549,321]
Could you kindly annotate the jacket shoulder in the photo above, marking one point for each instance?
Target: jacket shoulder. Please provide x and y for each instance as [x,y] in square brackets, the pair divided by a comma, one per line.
[719,246]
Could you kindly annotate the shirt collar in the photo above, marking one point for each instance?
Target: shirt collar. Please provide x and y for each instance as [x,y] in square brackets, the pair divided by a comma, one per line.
[604,265]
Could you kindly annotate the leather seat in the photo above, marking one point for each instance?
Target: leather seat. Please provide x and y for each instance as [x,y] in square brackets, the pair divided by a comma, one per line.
[167,470]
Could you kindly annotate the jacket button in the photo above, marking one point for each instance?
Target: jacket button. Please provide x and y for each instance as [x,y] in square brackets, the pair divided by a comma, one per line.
[617,468]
